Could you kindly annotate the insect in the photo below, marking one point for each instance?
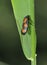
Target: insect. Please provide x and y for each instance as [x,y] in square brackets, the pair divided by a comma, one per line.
[25,25]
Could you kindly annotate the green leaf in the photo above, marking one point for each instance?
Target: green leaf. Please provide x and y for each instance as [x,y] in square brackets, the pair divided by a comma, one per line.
[21,9]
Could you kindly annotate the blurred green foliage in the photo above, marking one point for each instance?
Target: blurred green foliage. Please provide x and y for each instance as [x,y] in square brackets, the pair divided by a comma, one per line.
[10,48]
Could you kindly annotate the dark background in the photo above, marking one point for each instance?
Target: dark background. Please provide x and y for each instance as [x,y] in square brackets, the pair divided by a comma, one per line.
[10,48]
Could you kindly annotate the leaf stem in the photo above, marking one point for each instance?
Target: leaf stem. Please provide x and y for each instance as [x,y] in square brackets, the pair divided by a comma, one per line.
[33,62]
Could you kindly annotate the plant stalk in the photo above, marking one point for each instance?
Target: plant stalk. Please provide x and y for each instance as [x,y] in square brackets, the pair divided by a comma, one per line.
[33,62]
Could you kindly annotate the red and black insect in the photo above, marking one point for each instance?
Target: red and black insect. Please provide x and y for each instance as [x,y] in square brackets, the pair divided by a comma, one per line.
[25,25]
